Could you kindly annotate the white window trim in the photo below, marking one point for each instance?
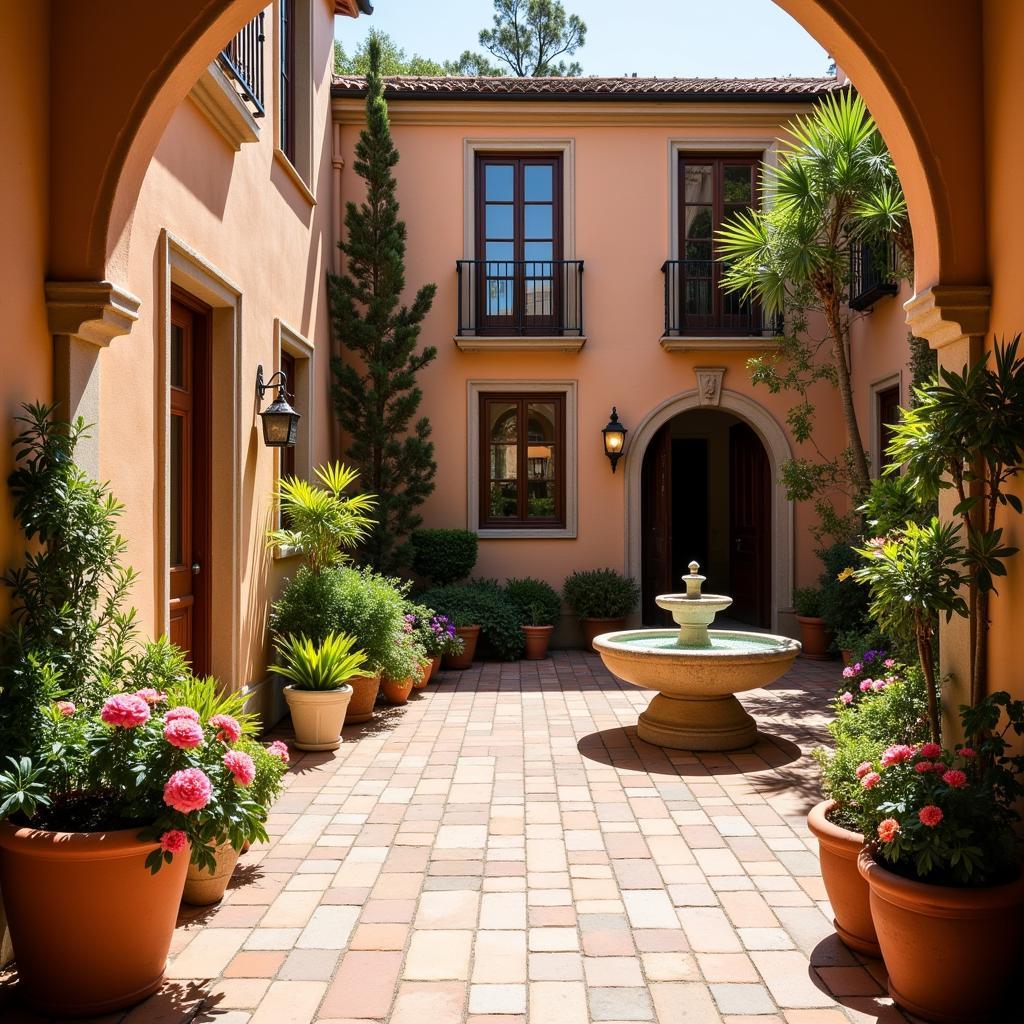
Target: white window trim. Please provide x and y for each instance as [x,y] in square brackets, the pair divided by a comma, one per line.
[301,171]
[874,389]
[474,389]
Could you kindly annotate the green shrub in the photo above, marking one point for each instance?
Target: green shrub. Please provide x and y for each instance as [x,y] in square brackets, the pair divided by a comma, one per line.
[807,602]
[600,594]
[404,658]
[270,770]
[538,602]
[844,601]
[443,556]
[482,603]
[328,665]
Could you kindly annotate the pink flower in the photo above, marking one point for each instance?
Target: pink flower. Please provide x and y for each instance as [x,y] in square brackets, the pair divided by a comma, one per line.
[897,754]
[930,815]
[871,780]
[151,696]
[938,767]
[848,672]
[955,778]
[966,752]
[889,663]
[863,768]
[66,708]
[857,667]
[181,712]
[241,767]
[847,698]
[887,829]
[931,751]
[279,749]
[865,685]
[924,766]
[228,729]
[878,685]
[183,733]
[125,710]
[173,841]
[188,790]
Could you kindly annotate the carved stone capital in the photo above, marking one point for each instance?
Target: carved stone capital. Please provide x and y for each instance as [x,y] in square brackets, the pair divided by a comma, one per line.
[945,314]
[93,311]
[709,384]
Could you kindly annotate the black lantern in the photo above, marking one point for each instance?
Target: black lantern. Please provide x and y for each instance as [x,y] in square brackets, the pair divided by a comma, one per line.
[614,438]
[280,420]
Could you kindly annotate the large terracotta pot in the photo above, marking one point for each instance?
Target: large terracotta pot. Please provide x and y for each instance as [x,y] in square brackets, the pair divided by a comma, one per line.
[364,696]
[814,638]
[838,850]
[470,635]
[537,638]
[396,691]
[317,716]
[91,924]
[204,887]
[435,665]
[951,953]
[421,678]
[595,627]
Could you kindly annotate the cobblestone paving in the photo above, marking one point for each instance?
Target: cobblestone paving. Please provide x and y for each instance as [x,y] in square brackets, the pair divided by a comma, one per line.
[505,850]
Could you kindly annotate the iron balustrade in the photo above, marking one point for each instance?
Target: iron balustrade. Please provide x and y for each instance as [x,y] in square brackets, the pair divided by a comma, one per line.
[696,305]
[872,273]
[520,297]
[242,59]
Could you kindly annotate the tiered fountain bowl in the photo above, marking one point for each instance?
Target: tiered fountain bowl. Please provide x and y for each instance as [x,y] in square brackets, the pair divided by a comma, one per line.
[697,671]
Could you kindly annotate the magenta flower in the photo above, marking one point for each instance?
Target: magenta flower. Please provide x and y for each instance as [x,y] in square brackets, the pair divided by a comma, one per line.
[66,708]
[847,698]
[924,766]
[955,778]
[865,685]
[863,768]
[897,754]
[280,750]
[878,685]
[188,790]
[931,751]
[125,711]
[930,815]
[889,663]
[871,780]
[183,733]
[241,766]
[181,712]
[173,841]
[848,672]
[887,829]
[967,752]
[228,729]
[151,696]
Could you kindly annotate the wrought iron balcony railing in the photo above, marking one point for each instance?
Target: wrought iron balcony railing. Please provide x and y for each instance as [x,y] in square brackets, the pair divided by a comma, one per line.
[520,297]
[872,273]
[696,305]
[242,59]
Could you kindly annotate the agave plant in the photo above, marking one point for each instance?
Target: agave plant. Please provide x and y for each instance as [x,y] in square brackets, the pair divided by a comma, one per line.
[325,667]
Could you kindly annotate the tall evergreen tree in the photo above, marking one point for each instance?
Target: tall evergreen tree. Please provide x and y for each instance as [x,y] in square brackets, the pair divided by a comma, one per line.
[375,391]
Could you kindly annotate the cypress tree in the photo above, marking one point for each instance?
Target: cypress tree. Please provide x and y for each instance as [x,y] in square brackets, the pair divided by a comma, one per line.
[375,392]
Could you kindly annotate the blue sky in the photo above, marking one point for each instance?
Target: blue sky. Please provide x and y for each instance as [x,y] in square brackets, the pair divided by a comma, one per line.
[744,38]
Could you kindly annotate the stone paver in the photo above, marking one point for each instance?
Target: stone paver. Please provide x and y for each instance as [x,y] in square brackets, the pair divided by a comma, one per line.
[505,850]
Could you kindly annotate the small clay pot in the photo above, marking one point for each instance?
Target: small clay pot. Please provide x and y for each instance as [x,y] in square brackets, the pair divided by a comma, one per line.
[814,638]
[457,662]
[422,677]
[595,627]
[204,887]
[364,696]
[537,639]
[396,691]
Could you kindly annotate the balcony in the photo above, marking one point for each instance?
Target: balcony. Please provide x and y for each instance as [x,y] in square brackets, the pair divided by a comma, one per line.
[520,304]
[242,60]
[872,273]
[699,313]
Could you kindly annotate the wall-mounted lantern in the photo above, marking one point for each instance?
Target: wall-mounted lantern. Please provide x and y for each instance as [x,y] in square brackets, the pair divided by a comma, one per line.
[614,438]
[280,420]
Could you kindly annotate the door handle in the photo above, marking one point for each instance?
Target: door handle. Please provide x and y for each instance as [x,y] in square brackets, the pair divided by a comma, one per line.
[195,568]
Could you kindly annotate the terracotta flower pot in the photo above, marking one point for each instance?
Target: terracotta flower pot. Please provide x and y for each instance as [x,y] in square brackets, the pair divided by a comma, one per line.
[847,656]
[91,924]
[364,696]
[435,665]
[595,627]
[420,680]
[838,849]
[396,691]
[203,887]
[814,638]
[317,716]
[951,954]
[470,635]
[537,638]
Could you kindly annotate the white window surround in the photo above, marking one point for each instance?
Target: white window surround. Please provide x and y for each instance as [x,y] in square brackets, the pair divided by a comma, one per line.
[301,170]
[875,388]
[474,389]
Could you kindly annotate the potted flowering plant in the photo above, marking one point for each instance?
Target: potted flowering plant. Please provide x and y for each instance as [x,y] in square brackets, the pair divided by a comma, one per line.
[402,668]
[114,802]
[435,633]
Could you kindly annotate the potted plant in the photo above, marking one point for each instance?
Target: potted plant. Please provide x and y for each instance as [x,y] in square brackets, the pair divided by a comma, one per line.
[480,611]
[815,640]
[601,599]
[401,669]
[319,693]
[540,608]
[844,601]
[434,633]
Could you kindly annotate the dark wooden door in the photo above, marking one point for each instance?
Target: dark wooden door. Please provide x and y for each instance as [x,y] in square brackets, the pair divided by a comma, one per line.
[656,524]
[749,527]
[189,484]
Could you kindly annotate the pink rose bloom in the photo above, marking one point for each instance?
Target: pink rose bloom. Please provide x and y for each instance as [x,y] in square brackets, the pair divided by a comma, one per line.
[931,751]
[847,698]
[966,752]
[66,708]
[848,672]
[228,729]
[887,829]
[188,790]
[865,685]
[871,780]
[930,815]
[955,778]
[173,841]
[863,768]
[878,685]
[181,712]
[183,733]
[151,696]
[125,710]
[897,754]
[241,767]
[280,749]
[938,767]
[924,766]
[889,663]
[857,667]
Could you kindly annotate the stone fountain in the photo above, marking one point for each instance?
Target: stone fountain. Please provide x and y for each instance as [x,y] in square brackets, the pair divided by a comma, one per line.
[697,671]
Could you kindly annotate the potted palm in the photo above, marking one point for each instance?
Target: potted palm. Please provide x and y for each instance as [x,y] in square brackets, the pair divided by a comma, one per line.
[601,599]
[319,692]
[540,608]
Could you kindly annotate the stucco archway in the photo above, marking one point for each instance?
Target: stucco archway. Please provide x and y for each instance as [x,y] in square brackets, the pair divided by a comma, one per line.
[776,444]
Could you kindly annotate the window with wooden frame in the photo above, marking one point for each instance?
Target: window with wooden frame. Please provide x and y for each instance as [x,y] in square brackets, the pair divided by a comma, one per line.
[288,368]
[522,460]
[887,417]
[287,71]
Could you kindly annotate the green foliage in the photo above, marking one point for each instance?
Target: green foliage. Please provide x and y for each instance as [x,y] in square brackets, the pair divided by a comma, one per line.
[208,699]
[924,363]
[322,520]
[893,501]
[807,602]
[328,665]
[270,772]
[529,36]
[375,393]
[393,59]
[444,556]
[538,602]
[473,64]
[600,594]
[844,601]
[482,603]
[404,658]
[22,789]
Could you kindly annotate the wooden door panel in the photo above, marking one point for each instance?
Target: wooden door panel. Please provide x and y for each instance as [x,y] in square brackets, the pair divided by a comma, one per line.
[749,527]
[656,525]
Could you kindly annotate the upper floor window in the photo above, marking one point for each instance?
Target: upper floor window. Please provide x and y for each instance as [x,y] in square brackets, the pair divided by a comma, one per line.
[286,64]
[887,418]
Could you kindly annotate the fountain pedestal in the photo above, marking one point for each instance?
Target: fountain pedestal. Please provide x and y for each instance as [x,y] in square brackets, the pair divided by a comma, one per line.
[688,723]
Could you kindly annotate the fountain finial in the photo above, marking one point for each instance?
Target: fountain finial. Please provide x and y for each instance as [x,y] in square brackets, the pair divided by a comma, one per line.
[693,581]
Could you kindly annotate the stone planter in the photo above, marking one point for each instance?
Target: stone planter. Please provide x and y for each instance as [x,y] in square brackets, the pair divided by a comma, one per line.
[317,716]
[537,639]
[203,887]
[470,635]
[814,638]
[396,691]
[595,627]
[838,849]
[952,954]
[420,680]
[91,924]
[364,696]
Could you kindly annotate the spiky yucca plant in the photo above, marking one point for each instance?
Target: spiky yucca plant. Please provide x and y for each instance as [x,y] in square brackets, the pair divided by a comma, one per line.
[328,666]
